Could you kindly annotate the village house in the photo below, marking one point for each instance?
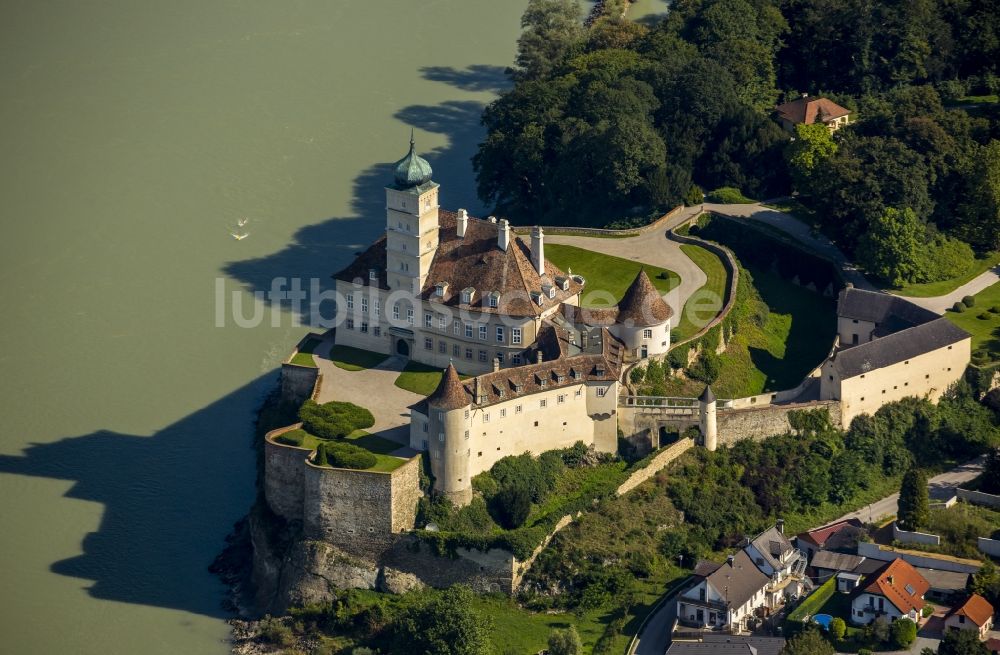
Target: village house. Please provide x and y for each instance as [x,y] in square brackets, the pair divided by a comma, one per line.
[807,111]
[842,535]
[974,613]
[894,591]
[735,595]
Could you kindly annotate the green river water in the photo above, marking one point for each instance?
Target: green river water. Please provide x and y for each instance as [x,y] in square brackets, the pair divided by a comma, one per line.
[135,135]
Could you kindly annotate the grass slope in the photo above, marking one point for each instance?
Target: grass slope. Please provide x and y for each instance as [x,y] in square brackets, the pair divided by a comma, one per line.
[691,320]
[985,331]
[606,273]
[355,359]
[931,289]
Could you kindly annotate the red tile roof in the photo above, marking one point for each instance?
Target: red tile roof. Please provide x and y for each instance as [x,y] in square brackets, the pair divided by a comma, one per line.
[450,394]
[900,584]
[820,536]
[811,110]
[976,608]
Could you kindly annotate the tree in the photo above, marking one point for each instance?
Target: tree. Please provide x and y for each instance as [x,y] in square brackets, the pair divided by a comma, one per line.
[808,642]
[962,642]
[980,210]
[442,623]
[991,472]
[551,29]
[565,642]
[838,628]
[892,247]
[813,145]
[512,505]
[914,500]
[904,633]
[986,582]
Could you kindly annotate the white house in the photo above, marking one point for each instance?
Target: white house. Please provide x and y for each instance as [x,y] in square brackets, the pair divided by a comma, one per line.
[894,591]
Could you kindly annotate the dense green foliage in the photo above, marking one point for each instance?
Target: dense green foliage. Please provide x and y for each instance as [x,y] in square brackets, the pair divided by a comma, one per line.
[903,633]
[565,642]
[962,642]
[340,454]
[634,118]
[914,502]
[442,624]
[334,420]
[808,642]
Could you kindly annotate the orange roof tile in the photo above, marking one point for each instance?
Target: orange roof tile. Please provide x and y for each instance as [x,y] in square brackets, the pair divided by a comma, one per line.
[900,584]
[811,110]
[976,608]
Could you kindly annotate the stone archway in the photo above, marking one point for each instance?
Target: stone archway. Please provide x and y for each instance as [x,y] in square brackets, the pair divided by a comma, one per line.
[402,348]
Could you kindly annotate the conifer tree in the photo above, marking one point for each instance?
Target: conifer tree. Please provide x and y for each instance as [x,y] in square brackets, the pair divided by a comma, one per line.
[914,501]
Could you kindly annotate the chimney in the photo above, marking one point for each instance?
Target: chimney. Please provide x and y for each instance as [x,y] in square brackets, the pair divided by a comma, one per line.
[780,524]
[496,364]
[538,250]
[463,222]
[503,234]
[492,219]
[538,357]
[730,560]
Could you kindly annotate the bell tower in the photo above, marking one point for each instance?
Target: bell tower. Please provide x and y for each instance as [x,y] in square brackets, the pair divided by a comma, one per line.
[411,226]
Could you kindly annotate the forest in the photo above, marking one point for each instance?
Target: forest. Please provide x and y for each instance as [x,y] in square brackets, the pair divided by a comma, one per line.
[610,123]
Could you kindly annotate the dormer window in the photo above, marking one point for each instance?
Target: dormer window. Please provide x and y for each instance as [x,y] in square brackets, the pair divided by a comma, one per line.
[549,290]
[468,294]
[494,299]
[600,370]
[562,282]
[575,374]
[372,273]
[560,378]
[481,398]
[440,289]
[537,298]
[518,387]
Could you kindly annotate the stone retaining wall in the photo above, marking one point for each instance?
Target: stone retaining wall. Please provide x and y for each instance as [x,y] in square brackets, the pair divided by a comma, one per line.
[284,467]
[928,560]
[555,230]
[978,497]
[297,383]
[908,537]
[989,546]
[660,460]
[766,421]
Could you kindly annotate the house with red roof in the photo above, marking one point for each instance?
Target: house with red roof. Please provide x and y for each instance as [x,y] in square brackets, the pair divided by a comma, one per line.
[895,590]
[842,534]
[806,111]
[974,613]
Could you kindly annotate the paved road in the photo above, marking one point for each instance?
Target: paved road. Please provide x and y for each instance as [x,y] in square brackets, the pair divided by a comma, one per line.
[654,248]
[941,487]
[939,304]
[655,636]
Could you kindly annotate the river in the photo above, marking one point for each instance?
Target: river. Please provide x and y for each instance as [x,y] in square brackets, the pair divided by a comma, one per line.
[136,135]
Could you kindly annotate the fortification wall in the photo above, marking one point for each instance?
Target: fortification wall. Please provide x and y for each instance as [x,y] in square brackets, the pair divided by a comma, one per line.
[667,455]
[766,421]
[297,382]
[283,475]
[355,510]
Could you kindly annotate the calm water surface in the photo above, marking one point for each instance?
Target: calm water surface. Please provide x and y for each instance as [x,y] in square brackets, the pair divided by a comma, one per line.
[135,134]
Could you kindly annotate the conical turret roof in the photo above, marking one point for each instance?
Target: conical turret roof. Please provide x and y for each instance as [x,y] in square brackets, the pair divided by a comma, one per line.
[642,304]
[707,396]
[450,392]
[412,170]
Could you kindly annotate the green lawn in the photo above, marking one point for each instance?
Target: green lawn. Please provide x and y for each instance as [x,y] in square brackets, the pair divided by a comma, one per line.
[355,359]
[606,273]
[985,331]
[419,378]
[304,356]
[931,289]
[376,445]
[690,319]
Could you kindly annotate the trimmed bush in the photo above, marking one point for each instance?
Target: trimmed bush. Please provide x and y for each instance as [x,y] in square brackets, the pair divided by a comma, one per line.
[339,454]
[729,196]
[984,316]
[838,628]
[958,308]
[677,358]
[904,632]
[694,196]
[706,368]
[334,420]
[969,301]
[995,309]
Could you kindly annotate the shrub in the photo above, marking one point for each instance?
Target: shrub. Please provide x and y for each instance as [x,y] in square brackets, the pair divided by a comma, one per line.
[677,358]
[694,196]
[344,455]
[969,301]
[995,309]
[958,308]
[637,375]
[904,632]
[334,420]
[565,642]
[273,631]
[983,316]
[511,506]
[706,368]
[729,196]
[838,628]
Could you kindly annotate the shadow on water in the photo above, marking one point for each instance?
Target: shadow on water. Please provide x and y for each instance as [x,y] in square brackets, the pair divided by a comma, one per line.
[168,501]
[478,77]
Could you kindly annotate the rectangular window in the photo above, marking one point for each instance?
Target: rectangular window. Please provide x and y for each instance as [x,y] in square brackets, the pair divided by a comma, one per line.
[364,326]
[350,324]
[466,434]
[561,399]
[517,409]
[503,413]
[578,393]
[482,355]
[364,305]
[350,301]
[542,403]
[409,316]
[486,417]
[378,308]
[456,350]
[395,311]
[442,347]
[601,391]
[500,357]
[647,334]
[500,334]
[515,336]
[442,323]
[468,330]
[466,413]
[482,332]
[516,359]
[455,327]
[468,353]
[428,320]
[377,331]
[429,344]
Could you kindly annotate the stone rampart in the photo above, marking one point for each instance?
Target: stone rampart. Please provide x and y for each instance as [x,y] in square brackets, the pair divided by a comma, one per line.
[297,383]
[661,459]
[766,421]
[284,466]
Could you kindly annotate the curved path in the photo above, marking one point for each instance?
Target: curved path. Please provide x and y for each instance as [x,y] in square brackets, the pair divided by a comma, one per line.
[939,304]
[654,248]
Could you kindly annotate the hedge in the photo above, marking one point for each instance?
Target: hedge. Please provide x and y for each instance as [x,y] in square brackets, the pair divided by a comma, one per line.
[334,420]
[339,454]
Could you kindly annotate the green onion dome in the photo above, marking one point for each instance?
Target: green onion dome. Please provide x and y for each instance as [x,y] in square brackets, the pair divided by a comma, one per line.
[412,170]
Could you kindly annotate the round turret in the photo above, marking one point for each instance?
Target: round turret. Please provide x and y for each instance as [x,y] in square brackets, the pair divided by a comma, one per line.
[708,418]
[412,170]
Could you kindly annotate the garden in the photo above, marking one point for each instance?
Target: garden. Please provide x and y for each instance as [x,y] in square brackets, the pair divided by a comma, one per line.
[607,273]
[304,355]
[336,431]
[979,315]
